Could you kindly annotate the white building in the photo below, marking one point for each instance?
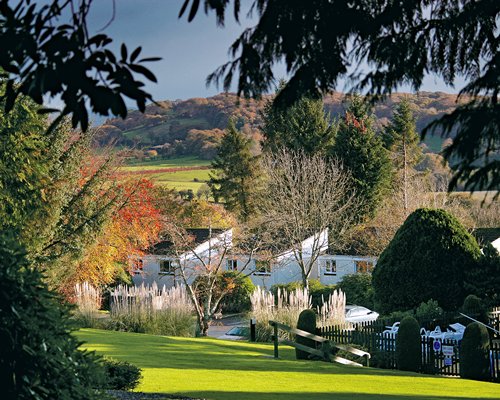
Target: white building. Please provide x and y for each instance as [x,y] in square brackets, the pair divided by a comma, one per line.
[162,267]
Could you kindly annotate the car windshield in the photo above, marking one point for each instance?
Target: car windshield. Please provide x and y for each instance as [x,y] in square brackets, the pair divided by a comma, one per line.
[238,331]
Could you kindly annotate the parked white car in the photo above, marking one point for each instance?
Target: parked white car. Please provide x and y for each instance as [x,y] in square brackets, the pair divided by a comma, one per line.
[359,314]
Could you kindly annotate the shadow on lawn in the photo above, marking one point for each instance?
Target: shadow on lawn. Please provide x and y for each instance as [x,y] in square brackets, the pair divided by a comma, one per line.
[187,353]
[317,396]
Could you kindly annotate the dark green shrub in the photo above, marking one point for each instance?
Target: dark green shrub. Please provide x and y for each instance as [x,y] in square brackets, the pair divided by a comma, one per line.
[428,258]
[289,287]
[382,359]
[475,353]
[408,345]
[39,358]
[238,299]
[306,322]
[358,289]
[319,292]
[121,375]
[238,288]
[484,281]
[474,307]
[428,311]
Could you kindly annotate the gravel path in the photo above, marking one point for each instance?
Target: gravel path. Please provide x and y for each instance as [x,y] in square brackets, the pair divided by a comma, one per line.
[123,395]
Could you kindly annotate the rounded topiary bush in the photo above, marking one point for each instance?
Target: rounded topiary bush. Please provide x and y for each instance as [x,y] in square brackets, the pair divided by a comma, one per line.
[473,307]
[121,375]
[306,322]
[408,346]
[428,258]
[475,353]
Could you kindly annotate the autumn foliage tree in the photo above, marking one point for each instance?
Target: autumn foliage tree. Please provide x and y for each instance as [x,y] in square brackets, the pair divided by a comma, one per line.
[133,227]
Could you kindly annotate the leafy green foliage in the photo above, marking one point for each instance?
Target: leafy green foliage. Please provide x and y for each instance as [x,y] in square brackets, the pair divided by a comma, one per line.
[428,258]
[361,152]
[475,353]
[484,280]
[401,41]
[52,192]
[39,358]
[474,307]
[238,298]
[428,310]
[120,375]
[306,322]
[231,288]
[303,126]
[358,289]
[236,177]
[408,346]
[42,56]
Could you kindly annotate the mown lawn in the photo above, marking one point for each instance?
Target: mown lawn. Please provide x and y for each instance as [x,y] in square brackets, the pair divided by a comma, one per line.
[168,163]
[216,369]
[179,180]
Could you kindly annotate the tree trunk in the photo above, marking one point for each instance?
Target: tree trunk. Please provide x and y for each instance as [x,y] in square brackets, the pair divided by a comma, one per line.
[405,178]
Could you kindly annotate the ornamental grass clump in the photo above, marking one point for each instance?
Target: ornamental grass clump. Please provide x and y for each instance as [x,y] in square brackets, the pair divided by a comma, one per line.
[147,309]
[285,307]
[88,300]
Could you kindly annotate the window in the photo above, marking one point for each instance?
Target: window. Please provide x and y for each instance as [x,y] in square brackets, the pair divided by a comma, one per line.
[363,267]
[167,267]
[262,267]
[137,266]
[330,267]
[232,265]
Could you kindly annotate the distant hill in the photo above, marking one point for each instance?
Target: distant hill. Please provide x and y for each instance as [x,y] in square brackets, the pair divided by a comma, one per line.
[194,126]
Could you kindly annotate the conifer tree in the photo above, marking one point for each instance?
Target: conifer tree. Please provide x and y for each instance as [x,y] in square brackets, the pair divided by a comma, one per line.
[303,126]
[401,139]
[236,173]
[361,152]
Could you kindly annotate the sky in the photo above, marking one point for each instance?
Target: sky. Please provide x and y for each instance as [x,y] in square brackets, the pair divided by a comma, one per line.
[189,51]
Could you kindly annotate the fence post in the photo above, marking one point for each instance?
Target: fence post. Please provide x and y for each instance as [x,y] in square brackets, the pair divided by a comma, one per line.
[275,337]
[253,337]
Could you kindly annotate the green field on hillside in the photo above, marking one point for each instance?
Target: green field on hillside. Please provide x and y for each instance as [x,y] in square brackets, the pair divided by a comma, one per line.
[226,370]
[179,180]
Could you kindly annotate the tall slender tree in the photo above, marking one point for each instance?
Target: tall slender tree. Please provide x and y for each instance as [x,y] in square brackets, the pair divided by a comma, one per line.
[401,139]
[362,153]
[236,173]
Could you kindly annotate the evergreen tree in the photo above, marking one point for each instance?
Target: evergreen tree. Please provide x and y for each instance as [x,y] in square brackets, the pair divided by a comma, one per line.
[303,126]
[401,139]
[236,173]
[361,151]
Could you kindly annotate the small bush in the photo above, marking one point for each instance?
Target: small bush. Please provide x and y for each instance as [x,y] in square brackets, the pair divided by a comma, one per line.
[428,310]
[306,322]
[408,345]
[238,299]
[475,353]
[473,307]
[358,289]
[382,359]
[121,375]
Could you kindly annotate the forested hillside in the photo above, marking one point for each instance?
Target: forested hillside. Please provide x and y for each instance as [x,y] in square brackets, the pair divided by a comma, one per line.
[194,126]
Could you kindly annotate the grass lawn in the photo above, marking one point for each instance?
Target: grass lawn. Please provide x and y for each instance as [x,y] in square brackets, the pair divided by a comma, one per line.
[167,163]
[179,180]
[217,369]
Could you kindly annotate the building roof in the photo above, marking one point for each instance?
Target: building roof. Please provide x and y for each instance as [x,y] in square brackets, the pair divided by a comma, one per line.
[200,235]
[486,235]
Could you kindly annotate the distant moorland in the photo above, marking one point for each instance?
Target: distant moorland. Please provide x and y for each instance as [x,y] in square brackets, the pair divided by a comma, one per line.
[193,127]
